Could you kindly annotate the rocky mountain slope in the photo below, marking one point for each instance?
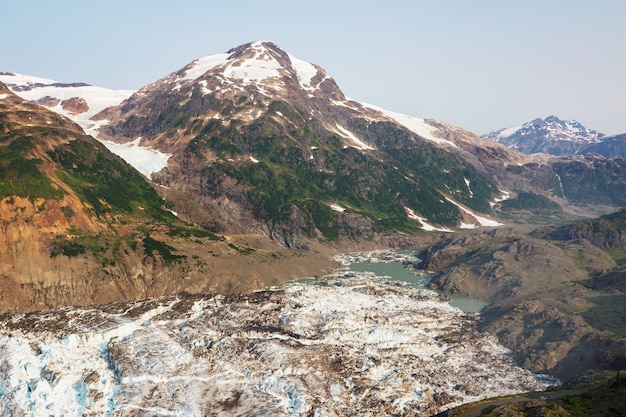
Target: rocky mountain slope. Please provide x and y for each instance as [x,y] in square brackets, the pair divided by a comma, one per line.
[550,135]
[260,140]
[560,138]
[256,140]
[556,296]
[274,141]
[80,226]
[609,147]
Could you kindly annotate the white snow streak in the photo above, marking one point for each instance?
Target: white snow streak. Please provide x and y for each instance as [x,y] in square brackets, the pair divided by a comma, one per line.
[483,221]
[467,182]
[429,228]
[358,143]
[414,124]
[505,196]
[508,131]
[305,72]
[337,207]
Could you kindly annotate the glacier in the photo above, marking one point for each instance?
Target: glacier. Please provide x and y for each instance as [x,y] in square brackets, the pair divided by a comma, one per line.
[356,345]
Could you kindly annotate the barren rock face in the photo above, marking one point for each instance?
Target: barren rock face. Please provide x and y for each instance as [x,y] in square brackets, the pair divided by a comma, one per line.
[47,101]
[75,105]
[355,347]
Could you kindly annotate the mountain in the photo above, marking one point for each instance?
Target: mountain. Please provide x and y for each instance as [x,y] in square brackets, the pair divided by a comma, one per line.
[561,138]
[257,141]
[80,226]
[260,140]
[77,101]
[609,147]
[555,296]
[550,135]
[80,102]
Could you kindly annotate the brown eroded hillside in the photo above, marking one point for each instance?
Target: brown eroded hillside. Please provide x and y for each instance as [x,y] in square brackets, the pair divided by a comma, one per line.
[79,226]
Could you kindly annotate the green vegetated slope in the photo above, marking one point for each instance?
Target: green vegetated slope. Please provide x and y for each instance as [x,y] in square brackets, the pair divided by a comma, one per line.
[287,169]
[79,226]
[593,179]
[585,398]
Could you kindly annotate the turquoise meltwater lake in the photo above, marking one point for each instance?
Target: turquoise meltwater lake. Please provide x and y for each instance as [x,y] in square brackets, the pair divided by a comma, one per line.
[414,278]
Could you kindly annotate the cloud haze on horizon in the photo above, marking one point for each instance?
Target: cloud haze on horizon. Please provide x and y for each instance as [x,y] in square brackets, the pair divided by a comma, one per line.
[481,65]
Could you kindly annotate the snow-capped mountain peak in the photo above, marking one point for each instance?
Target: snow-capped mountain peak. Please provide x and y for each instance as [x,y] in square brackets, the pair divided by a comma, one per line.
[550,135]
[250,64]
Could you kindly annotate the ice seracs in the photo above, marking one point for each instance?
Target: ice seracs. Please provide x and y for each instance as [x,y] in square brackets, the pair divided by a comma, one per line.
[359,345]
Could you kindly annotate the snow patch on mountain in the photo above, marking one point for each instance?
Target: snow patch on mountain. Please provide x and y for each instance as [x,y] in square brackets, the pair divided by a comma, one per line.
[256,69]
[356,142]
[145,160]
[200,66]
[305,72]
[337,207]
[505,196]
[482,221]
[34,88]
[429,228]
[416,125]
[509,131]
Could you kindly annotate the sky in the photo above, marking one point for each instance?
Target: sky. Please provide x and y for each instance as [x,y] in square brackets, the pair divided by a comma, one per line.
[481,65]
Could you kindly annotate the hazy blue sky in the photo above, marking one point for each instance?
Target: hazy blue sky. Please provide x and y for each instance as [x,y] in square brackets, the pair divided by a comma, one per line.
[479,64]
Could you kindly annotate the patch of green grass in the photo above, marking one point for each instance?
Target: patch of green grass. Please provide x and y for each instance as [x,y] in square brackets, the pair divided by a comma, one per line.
[154,248]
[107,182]
[67,248]
[21,176]
[618,255]
[608,314]
[185,232]
[244,251]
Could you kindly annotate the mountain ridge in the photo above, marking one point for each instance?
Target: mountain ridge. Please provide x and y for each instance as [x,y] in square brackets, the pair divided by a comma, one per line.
[560,138]
[211,109]
[80,226]
[222,129]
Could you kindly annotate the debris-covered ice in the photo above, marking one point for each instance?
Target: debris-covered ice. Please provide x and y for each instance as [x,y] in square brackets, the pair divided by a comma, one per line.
[358,346]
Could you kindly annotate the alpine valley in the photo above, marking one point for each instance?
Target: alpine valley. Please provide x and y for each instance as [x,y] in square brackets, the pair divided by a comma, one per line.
[147,237]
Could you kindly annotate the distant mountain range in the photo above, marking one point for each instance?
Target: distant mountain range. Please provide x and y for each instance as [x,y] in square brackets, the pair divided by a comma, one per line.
[559,137]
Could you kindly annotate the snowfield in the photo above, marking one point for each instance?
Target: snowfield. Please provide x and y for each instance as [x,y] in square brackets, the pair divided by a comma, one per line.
[359,345]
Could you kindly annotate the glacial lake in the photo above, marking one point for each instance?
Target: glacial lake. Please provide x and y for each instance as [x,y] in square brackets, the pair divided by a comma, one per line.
[414,278]
[390,263]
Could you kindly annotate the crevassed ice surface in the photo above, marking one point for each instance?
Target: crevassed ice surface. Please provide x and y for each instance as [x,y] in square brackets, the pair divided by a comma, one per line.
[358,346]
